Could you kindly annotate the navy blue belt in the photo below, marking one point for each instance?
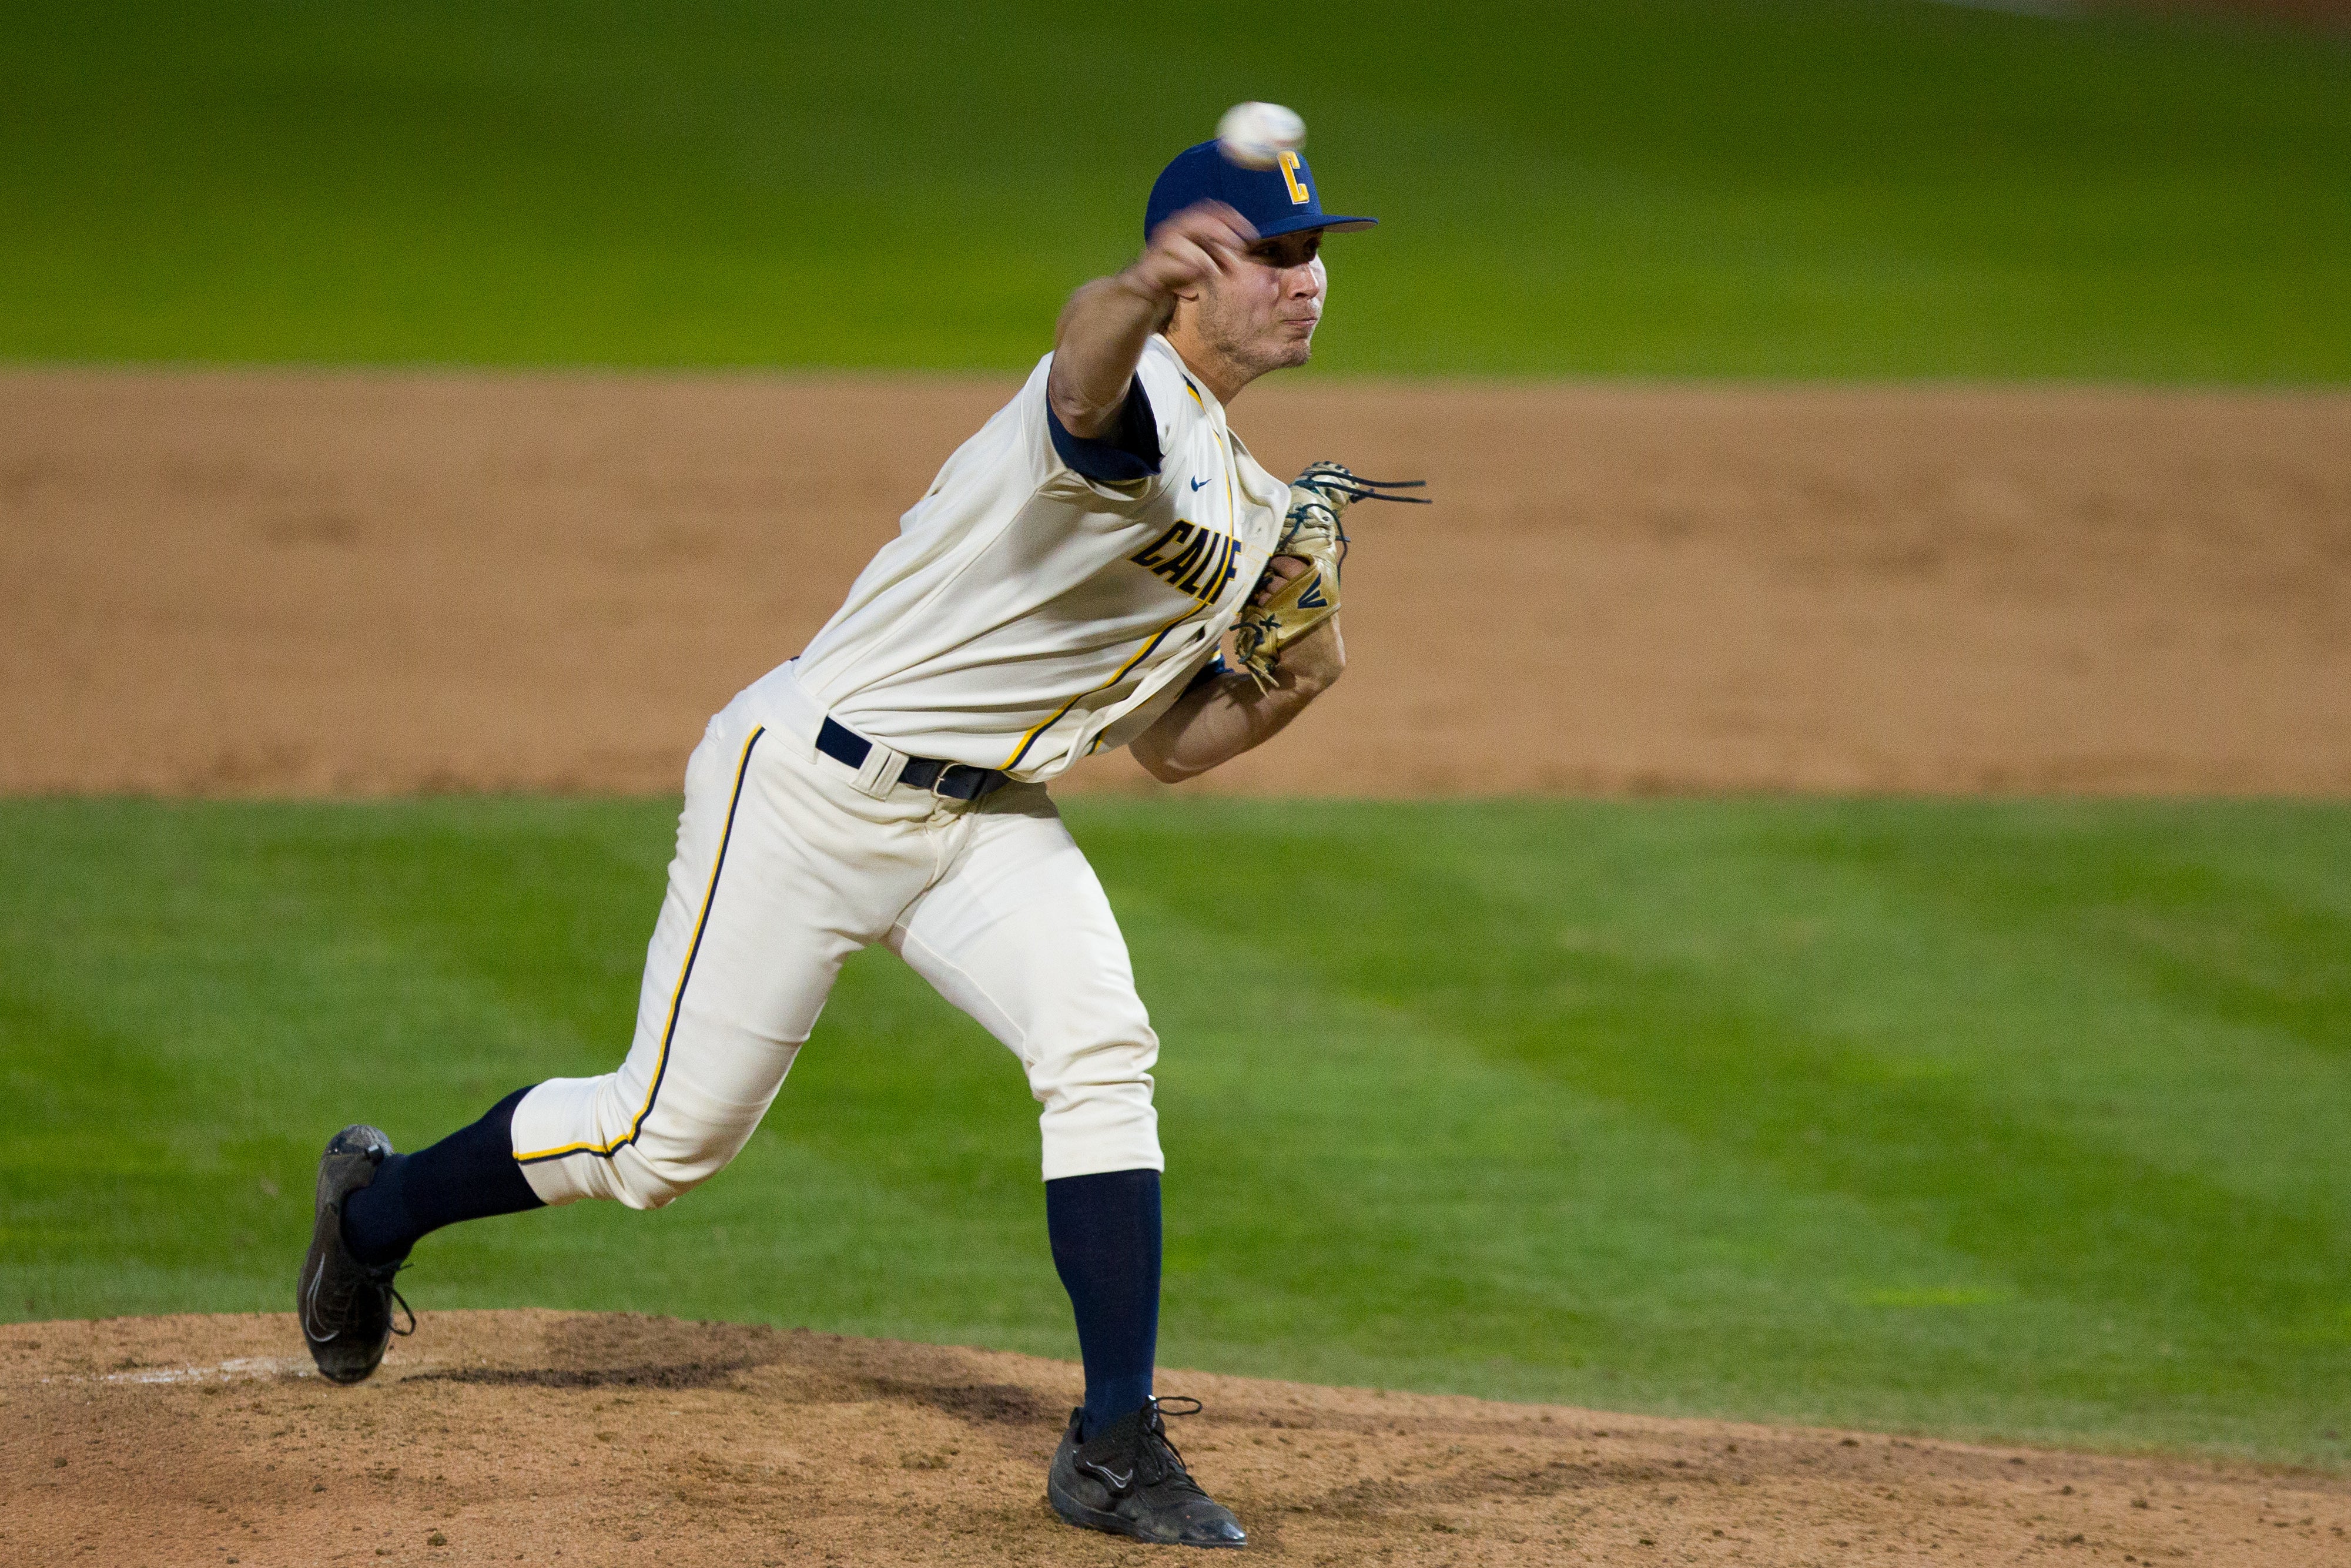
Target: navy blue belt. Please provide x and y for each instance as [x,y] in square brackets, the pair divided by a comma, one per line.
[952,780]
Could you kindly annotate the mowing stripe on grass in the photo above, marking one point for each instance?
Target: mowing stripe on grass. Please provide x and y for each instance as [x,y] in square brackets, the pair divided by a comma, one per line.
[1989,1118]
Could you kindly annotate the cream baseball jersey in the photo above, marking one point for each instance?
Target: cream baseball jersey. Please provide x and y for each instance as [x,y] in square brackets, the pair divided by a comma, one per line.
[1051,596]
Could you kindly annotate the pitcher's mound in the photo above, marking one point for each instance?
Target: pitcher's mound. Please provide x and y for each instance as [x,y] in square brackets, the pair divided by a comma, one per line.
[555,1437]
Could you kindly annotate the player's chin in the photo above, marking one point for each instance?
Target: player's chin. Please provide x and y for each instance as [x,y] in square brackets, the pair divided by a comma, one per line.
[1290,349]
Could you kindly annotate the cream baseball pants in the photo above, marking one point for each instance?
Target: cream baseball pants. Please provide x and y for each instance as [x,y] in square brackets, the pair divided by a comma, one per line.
[785,866]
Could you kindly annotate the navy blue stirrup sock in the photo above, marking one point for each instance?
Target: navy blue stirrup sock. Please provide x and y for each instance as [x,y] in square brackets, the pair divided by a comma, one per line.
[469,1174]
[1105,1233]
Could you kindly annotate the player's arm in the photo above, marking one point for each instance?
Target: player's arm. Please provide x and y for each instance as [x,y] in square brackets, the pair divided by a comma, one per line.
[1226,714]
[1106,325]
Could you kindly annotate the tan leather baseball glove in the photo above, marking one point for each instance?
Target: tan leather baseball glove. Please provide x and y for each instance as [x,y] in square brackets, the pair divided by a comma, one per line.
[1311,532]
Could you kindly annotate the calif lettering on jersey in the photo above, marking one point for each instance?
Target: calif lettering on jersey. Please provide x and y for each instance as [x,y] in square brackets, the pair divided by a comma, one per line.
[1028,613]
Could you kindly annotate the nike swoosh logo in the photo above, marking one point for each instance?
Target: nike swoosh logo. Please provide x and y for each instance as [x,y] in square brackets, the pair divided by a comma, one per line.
[1117,1482]
[310,1305]
[1197,483]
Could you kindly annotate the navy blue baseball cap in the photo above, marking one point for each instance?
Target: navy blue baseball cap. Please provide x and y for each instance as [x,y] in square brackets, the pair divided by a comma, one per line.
[1279,201]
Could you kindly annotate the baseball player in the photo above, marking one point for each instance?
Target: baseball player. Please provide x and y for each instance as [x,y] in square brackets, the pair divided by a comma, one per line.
[1063,586]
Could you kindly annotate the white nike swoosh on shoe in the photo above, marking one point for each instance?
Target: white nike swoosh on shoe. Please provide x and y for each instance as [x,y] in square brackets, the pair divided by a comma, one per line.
[310,1305]
[1117,1482]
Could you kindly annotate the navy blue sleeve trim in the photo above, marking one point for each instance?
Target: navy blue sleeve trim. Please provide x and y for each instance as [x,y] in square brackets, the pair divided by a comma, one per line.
[1130,452]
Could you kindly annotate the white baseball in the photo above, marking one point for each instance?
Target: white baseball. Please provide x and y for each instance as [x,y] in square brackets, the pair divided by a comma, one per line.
[1256,135]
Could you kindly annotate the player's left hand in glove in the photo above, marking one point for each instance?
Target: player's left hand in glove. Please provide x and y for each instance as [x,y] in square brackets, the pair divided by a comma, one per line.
[1283,609]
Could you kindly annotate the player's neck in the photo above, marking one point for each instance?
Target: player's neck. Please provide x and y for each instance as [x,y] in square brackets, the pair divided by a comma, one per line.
[1220,373]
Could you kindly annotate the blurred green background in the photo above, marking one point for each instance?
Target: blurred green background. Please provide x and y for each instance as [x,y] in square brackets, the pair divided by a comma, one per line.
[1879,188]
[2002,1118]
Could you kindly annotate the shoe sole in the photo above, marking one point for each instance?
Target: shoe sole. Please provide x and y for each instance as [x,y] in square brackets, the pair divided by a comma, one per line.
[355,1139]
[1086,1517]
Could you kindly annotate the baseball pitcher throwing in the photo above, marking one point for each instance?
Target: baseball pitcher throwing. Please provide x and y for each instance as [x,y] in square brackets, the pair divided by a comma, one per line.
[1064,586]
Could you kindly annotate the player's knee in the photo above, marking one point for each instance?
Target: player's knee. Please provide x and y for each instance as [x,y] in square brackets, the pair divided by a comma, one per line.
[1096,1087]
[627,1176]
[1106,1042]
[653,1184]
[1097,1097]
[655,1174]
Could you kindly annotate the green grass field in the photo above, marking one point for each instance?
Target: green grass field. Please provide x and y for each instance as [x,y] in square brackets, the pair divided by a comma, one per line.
[2005,1118]
[1655,187]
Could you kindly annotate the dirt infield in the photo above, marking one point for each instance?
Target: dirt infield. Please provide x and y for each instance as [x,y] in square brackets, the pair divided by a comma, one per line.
[562,1437]
[290,582]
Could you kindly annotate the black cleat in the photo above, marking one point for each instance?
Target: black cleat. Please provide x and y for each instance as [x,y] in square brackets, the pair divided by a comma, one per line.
[1129,1479]
[345,1305]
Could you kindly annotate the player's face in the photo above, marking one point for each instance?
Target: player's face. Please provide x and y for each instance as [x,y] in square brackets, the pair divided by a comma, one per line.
[1262,314]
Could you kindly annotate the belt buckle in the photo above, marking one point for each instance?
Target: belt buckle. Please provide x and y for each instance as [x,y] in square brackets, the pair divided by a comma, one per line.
[946,770]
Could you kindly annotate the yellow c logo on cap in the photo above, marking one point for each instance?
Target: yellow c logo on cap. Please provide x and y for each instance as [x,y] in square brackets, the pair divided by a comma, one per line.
[1298,195]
